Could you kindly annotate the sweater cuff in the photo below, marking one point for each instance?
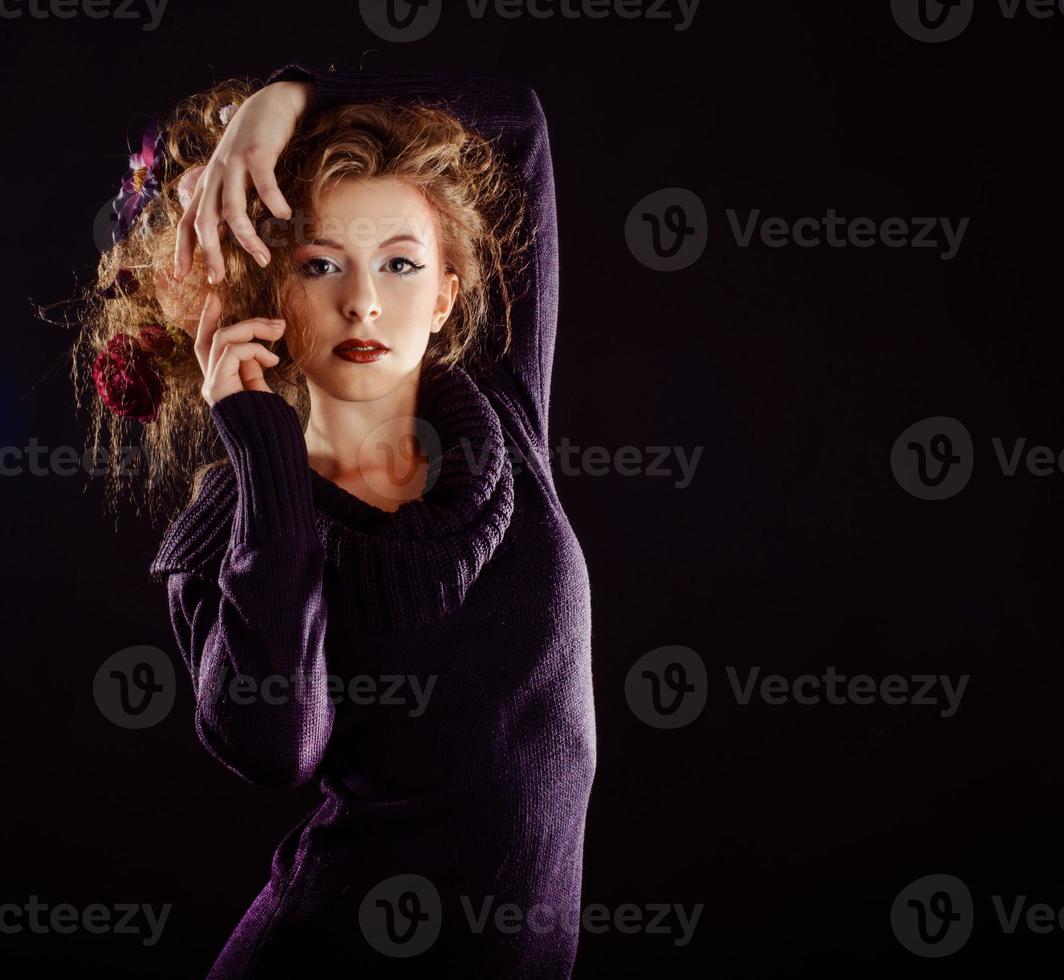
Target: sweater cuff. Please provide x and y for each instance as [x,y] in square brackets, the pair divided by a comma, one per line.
[336,85]
[265,443]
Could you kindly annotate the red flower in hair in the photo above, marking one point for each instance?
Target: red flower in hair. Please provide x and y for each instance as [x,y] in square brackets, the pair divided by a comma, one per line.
[127,376]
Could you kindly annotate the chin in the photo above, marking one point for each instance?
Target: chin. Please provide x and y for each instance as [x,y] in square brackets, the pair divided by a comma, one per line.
[358,382]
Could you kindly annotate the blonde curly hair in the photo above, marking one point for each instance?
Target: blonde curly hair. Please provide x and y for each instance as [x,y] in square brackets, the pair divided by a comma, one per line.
[482,216]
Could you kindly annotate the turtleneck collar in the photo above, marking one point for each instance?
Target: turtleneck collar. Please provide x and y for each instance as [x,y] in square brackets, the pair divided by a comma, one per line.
[392,569]
[415,564]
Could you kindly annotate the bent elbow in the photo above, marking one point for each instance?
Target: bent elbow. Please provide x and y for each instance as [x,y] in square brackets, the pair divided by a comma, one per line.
[274,762]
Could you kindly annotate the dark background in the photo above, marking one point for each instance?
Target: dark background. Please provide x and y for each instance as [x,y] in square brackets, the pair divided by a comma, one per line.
[793,549]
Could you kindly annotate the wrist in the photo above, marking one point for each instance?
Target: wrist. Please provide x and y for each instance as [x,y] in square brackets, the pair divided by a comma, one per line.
[295,93]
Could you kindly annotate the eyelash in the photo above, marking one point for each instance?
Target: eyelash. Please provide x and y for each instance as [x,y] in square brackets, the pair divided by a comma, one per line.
[308,266]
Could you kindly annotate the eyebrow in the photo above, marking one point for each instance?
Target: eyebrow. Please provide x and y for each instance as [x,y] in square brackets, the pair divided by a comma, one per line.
[329,243]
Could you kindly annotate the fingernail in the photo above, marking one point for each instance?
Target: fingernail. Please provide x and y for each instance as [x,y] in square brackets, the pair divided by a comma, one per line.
[262,259]
[210,276]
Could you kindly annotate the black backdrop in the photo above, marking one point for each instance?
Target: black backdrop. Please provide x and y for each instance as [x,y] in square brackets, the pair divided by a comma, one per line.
[795,548]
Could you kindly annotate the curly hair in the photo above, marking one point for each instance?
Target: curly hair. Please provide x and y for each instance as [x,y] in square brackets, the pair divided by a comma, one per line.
[483,238]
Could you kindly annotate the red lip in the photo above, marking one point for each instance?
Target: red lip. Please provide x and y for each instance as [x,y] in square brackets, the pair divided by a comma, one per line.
[357,342]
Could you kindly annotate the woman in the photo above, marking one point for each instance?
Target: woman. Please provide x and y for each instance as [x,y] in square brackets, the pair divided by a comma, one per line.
[378,588]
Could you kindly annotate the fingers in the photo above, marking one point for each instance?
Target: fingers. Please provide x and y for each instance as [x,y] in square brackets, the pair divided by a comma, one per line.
[257,328]
[243,363]
[262,176]
[251,371]
[201,219]
[206,223]
[212,340]
[217,195]
[240,368]
[186,235]
[208,325]
[235,212]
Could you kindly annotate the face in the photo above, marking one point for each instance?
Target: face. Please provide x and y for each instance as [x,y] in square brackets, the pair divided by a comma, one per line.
[370,269]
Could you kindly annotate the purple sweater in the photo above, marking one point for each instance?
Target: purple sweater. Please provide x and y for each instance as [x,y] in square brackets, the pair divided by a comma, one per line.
[430,667]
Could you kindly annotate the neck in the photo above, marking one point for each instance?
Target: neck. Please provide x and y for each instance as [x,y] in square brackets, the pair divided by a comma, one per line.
[356,440]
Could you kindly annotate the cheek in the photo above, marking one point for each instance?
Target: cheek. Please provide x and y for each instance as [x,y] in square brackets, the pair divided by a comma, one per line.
[414,302]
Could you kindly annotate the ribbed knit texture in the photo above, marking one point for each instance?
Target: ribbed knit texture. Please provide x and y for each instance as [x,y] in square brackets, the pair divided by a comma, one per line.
[430,666]
[401,568]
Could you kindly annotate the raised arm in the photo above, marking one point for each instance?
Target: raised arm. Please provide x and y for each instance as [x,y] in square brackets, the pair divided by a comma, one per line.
[254,638]
[510,113]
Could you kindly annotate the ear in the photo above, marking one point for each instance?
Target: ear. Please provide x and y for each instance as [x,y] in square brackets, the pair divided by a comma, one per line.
[170,299]
[445,300]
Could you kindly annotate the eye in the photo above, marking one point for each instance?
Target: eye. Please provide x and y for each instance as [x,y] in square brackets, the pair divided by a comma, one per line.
[413,269]
[317,267]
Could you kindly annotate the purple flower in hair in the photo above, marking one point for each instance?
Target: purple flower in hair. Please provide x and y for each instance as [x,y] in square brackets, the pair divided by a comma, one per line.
[142,183]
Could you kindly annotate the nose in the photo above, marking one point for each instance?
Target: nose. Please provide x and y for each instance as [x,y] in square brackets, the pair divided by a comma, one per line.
[359,298]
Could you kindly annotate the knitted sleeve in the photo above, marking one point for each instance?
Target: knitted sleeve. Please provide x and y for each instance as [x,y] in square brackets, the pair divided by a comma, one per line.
[510,113]
[254,640]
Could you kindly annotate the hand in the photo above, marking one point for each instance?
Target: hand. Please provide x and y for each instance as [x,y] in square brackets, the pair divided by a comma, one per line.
[230,359]
[249,149]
